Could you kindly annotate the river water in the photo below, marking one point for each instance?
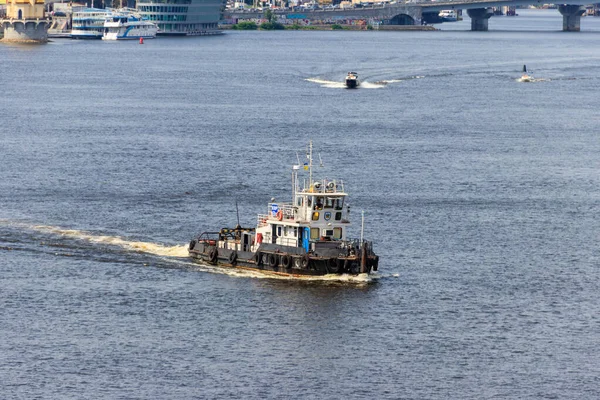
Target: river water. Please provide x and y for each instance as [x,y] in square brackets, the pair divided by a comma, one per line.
[481,194]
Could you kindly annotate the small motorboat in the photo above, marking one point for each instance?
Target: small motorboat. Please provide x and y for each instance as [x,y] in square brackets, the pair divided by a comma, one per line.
[525,77]
[352,80]
[448,15]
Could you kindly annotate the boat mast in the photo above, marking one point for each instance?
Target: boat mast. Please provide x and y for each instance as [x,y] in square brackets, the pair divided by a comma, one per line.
[310,181]
[295,169]
[362,226]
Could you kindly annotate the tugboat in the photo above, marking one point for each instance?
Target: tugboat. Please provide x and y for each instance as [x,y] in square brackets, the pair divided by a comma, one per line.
[352,80]
[307,237]
[525,77]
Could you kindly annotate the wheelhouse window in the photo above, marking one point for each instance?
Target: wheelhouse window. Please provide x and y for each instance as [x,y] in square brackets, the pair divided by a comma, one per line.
[337,233]
[314,233]
[330,202]
[319,203]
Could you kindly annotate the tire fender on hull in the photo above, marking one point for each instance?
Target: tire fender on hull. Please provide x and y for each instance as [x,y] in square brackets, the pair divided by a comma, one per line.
[273,260]
[213,254]
[305,261]
[332,265]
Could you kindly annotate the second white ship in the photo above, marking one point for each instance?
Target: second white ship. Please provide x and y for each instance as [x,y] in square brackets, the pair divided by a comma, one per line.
[125,24]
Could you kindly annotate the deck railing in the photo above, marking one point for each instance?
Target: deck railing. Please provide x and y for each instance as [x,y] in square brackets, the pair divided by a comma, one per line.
[287,211]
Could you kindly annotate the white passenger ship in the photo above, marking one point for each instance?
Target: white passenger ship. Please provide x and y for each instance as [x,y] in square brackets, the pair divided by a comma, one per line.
[305,237]
[88,23]
[124,24]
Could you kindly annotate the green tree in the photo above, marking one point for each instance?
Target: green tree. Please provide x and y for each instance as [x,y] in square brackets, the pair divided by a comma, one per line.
[269,26]
[245,26]
[270,16]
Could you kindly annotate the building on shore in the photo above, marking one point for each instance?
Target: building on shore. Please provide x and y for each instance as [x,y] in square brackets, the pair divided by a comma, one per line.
[183,17]
[25,21]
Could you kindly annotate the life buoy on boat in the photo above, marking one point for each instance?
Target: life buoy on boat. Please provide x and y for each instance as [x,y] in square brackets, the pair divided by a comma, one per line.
[212,254]
[305,261]
[233,257]
[332,265]
[279,215]
[259,238]
[272,260]
[286,261]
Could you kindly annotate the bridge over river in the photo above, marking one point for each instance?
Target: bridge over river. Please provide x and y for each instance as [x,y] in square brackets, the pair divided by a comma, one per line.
[412,13]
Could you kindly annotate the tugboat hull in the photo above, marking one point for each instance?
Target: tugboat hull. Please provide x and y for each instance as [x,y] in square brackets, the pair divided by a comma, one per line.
[286,260]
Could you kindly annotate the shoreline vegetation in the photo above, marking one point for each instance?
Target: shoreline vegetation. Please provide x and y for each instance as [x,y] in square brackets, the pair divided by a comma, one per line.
[271,24]
[267,26]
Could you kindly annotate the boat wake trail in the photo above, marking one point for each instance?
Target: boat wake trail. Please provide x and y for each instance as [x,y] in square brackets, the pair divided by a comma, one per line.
[143,247]
[364,84]
[532,80]
[341,85]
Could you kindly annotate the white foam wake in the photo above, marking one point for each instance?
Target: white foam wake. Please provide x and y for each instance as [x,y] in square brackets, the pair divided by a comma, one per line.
[532,80]
[342,85]
[328,84]
[145,247]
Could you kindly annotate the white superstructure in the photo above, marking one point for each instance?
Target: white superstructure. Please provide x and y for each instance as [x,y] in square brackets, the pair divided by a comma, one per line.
[316,213]
[126,24]
[448,15]
[88,23]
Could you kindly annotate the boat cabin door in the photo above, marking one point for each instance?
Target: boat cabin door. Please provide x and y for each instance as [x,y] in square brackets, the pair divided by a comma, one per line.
[246,242]
[274,233]
[305,234]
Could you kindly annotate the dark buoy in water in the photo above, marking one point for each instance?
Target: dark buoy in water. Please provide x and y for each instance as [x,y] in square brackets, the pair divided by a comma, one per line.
[524,68]
[141,40]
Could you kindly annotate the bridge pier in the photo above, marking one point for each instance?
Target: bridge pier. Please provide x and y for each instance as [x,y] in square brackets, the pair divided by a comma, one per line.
[479,18]
[571,17]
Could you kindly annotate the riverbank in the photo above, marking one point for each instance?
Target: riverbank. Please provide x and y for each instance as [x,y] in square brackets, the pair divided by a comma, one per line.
[327,27]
